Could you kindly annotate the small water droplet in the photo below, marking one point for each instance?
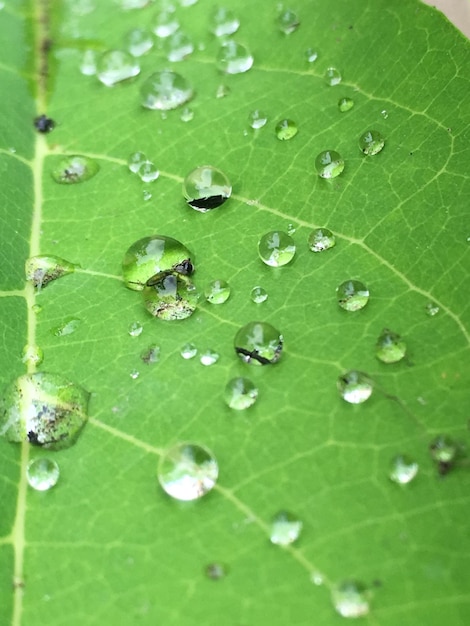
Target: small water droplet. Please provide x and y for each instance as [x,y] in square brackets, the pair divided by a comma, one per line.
[384,114]
[188,351]
[317,578]
[321,239]
[223,22]
[138,41]
[114,66]
[41,270]
[151,355]
[259,343]
[88,63]
[165,90]
[206,188]
[333,76]
[288,21]
[234,58]
[258,295]
[165,22]
[171,296]
[216,571]
[42,474]
[257,119]
[179,47]
[240,393]
[217,292]
[276,248]
[135,161]
[148,172]
[146,195]
[355,387]
[443,449]
[285,528]
[311,55]
[390,347]
[345,104]
[150,256]
[187,471]
[432,309]
[286,129]
[403,470]
[371,142]
[45,409]
[329,164]
[350,599]
[352,295]
[134,374]
[222,91]
[135,329]
[187,114]
[32,355]
[209,357]
[67,327]
[74,169]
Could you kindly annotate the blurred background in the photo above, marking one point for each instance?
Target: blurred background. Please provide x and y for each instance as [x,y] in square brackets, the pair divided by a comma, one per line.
[458,12]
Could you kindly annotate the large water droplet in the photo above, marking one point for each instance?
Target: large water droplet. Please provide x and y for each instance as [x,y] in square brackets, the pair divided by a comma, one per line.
[224,22]
[32,356]
[286,129]
[135,161]
[371,142]
[41,270]
[321,239]
[332,76]
[138,41]
[148,172]
[276,248]
[234,58]
[350,599]
[240,393]
[67,327]
[352,295]
[209,357]
[151,355]
[165,22]
[258,295]
[355,387]
[114,66]
[88,63]
[42,474]
[165,90]
[74,169]
[257,119]
[345,104]
[206,188]
[285,528]
[188,351]
[403,470]
[217,292]
[150,256]
[329,164]
[259,343]
[44,409]
[170,297]
[390,347]
[179,46]
[187,471]
[288,21]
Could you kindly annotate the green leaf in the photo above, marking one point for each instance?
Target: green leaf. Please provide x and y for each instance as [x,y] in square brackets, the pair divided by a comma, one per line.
[107,545]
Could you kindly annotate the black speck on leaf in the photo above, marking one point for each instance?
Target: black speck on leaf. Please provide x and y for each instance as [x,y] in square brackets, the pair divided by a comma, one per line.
[43,124]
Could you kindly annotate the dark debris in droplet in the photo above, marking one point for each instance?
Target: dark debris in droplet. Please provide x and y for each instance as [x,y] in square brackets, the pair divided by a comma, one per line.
[209,202]
[252,355]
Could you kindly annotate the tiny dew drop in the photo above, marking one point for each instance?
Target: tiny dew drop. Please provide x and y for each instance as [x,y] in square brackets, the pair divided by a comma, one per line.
[352,295]
[217,292]
[285,528]
[443,451]
[432,309]
[317,578]
[32,355]
[345,104]
[134,374]
[74,169]
[179,46]
[240,393]
[146,195]
[165,90]
[234,58]
[41,270]
[258,295]
[187,471]
[151,355]
[276,248]
[390,347]
[187,114]
[311,55]
[384,114]
[403,470]
[42,474]
[321,239]
[216,571]
[68,327]
[332,76]
[259,343]
[165,22]
[223,22]
[88,63]
[222,91]
[171,296]
[288,21]
[188,351]
[135,161]
[350,599]
[135,329]
[37,308]
[148,172]
[209,357]
[355,387]
[206,188]
[371,142]
[329,164]
[257,119]
[286,129]
[114,66]
[138,41]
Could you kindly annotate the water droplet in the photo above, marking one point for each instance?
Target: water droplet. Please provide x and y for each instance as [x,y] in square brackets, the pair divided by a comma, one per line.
[390,347]
[88,63]
[134,374]
[288,22]
[333,76]
[371,142]
[291,229]
[41,270]
[286,129]
[276,248]
[188,351]
[222,91]
[311,55]
[350,599]
[443,449]
[240,393]
[209,357]
[32,355]
[187,114]
[321,239]
[224,22]
[355,387]
[148,172]
[234,58]
[135,329]
[217,292]
[329,164]
[432,309]
[146,195]
[352,295]
[165,90]
[257,119]
[259,295]
[317,578]
[259,343]
[206,188]
[150,256]
[384,114]
[403,470]
[74,169]
[45,409]
[67,327]
[179,46]
[345,104]
[42,474]
[187,471]
[114,66]
[285,528]
[170,297]
[135,161]
[165,23]
[139,41]
[151,355]
[37,308]
[216,571]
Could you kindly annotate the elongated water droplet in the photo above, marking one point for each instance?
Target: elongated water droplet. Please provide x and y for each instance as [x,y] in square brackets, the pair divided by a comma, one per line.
[390,347]
[41,270]
[345,104]
[138,41]
[67,327]
[403,470]
[42,474]
[371,142]
[259,343]
[165,22]
[187,471]
[234,58]
[74,169]
[333,76]
[355,387]
[321,239]
[329,164]
[285,528]
[258,295]
[179,46]
[206,188]
[165,90]
[350,599]
[352,295]
[240,393]
[45,409]
[216,571]
[135,329]
[171,297]
[276,248]
[224,22]
[150,256]
[151,355]
[148,172]
[32,356]
[135,161]
[288,21]
[432,309]
[188,351]
[286,129]
[217,292]
[88,63]
[257,119]
[311,55]
[115,66]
